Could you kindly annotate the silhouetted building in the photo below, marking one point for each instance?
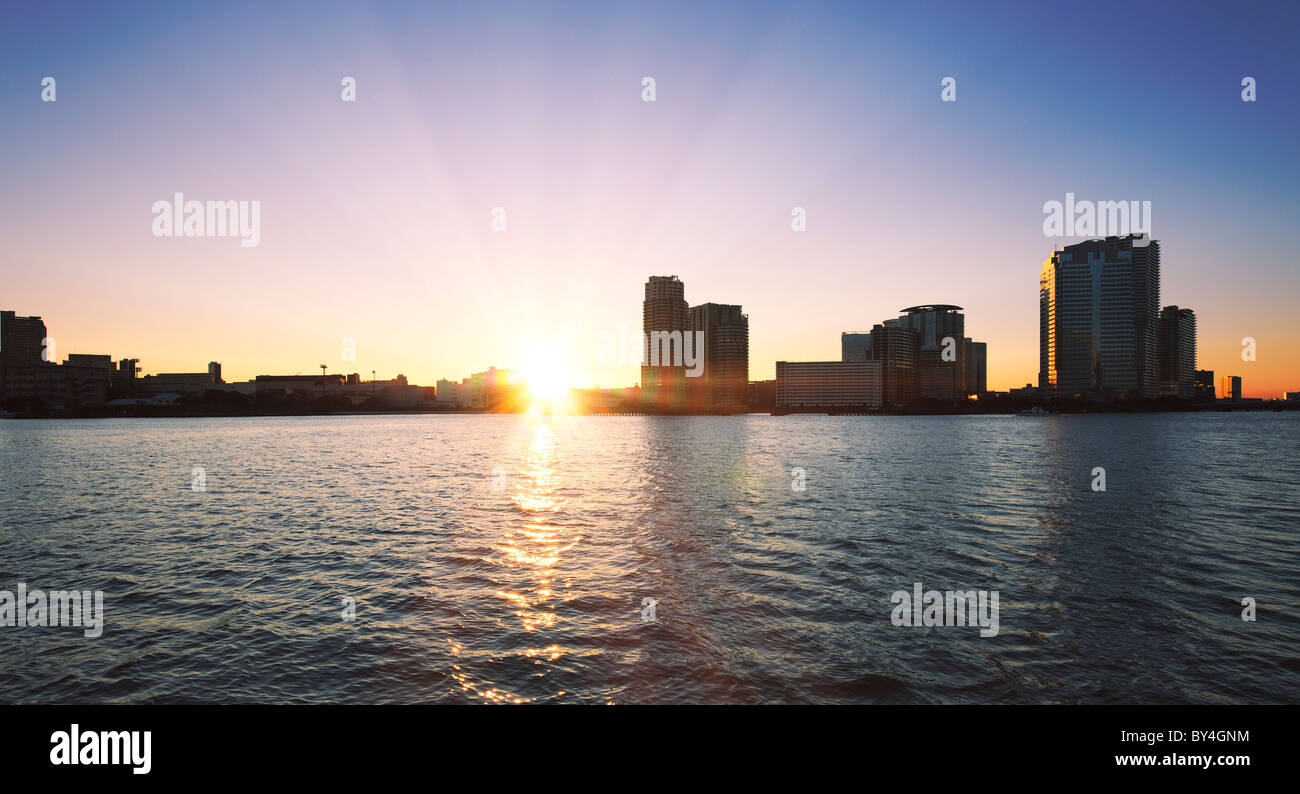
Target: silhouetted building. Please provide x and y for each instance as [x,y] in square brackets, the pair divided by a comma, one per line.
[1204,389]
[1177,352]
[726,354]
[895,348]
[58,388]
[1231,388]
[188,384]
[98,361]
[124,379]
[828,384]
[22,343]
[976,364]
[762,395]
[665,320]
[1099,318]
[940,352]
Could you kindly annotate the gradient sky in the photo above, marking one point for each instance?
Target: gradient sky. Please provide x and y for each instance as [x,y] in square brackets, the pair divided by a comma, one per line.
[376,215]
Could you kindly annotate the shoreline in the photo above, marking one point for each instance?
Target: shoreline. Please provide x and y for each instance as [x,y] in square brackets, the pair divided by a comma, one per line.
[159,412]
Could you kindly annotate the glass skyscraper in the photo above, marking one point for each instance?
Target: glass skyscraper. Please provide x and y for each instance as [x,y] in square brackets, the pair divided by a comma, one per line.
[1099,304]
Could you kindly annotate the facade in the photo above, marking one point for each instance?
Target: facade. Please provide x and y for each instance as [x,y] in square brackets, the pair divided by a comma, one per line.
[1177,352]
[976,357]
[189,384]
[124,378]
[726,354]
[896,349]
[1204,387]
[487,390]
[937,378]
[664,315]
[58,388]
[22,344]
[918,362]
[1099,319]
[828,384]
[395,393]
[1231,388]
[855,347]
[103,362]
[450,394]
[492,388]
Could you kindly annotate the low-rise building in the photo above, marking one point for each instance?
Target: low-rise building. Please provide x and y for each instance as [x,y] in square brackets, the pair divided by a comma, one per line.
[828,384]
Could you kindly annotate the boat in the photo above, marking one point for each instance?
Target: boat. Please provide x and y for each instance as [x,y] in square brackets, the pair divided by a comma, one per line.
[1037,410]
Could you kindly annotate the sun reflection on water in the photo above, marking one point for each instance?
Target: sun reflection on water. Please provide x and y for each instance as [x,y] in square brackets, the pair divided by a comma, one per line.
[530,555]
[537,547]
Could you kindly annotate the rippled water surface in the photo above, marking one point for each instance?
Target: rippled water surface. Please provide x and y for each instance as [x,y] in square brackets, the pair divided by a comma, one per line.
[505,558]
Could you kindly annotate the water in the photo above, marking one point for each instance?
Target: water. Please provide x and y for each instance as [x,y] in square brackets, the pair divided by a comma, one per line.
[531,591]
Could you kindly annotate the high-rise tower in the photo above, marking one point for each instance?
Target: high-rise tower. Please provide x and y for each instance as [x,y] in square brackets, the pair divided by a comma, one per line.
[665,320]
[726,354]
[1177,352]
[1099,309]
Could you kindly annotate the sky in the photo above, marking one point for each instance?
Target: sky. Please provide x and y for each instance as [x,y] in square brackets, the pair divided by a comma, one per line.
[376,216]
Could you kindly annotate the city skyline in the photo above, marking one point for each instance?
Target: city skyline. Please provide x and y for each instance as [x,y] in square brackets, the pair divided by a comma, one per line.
[377,216]
[1162,345]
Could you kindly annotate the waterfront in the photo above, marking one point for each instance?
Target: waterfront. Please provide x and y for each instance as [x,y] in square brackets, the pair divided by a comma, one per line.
[505,558]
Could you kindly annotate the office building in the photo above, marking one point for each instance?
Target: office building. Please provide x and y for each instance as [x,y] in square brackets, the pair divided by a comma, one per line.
[1099,319]
[895,348]
[725,379]
[1204,387]
[1177,352]
[855,347]
[940,352]
[22,343]
[828,384]
[57,388]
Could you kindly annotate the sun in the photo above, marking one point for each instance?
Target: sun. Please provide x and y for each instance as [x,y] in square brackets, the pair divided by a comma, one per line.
[548,376]
[547,384]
